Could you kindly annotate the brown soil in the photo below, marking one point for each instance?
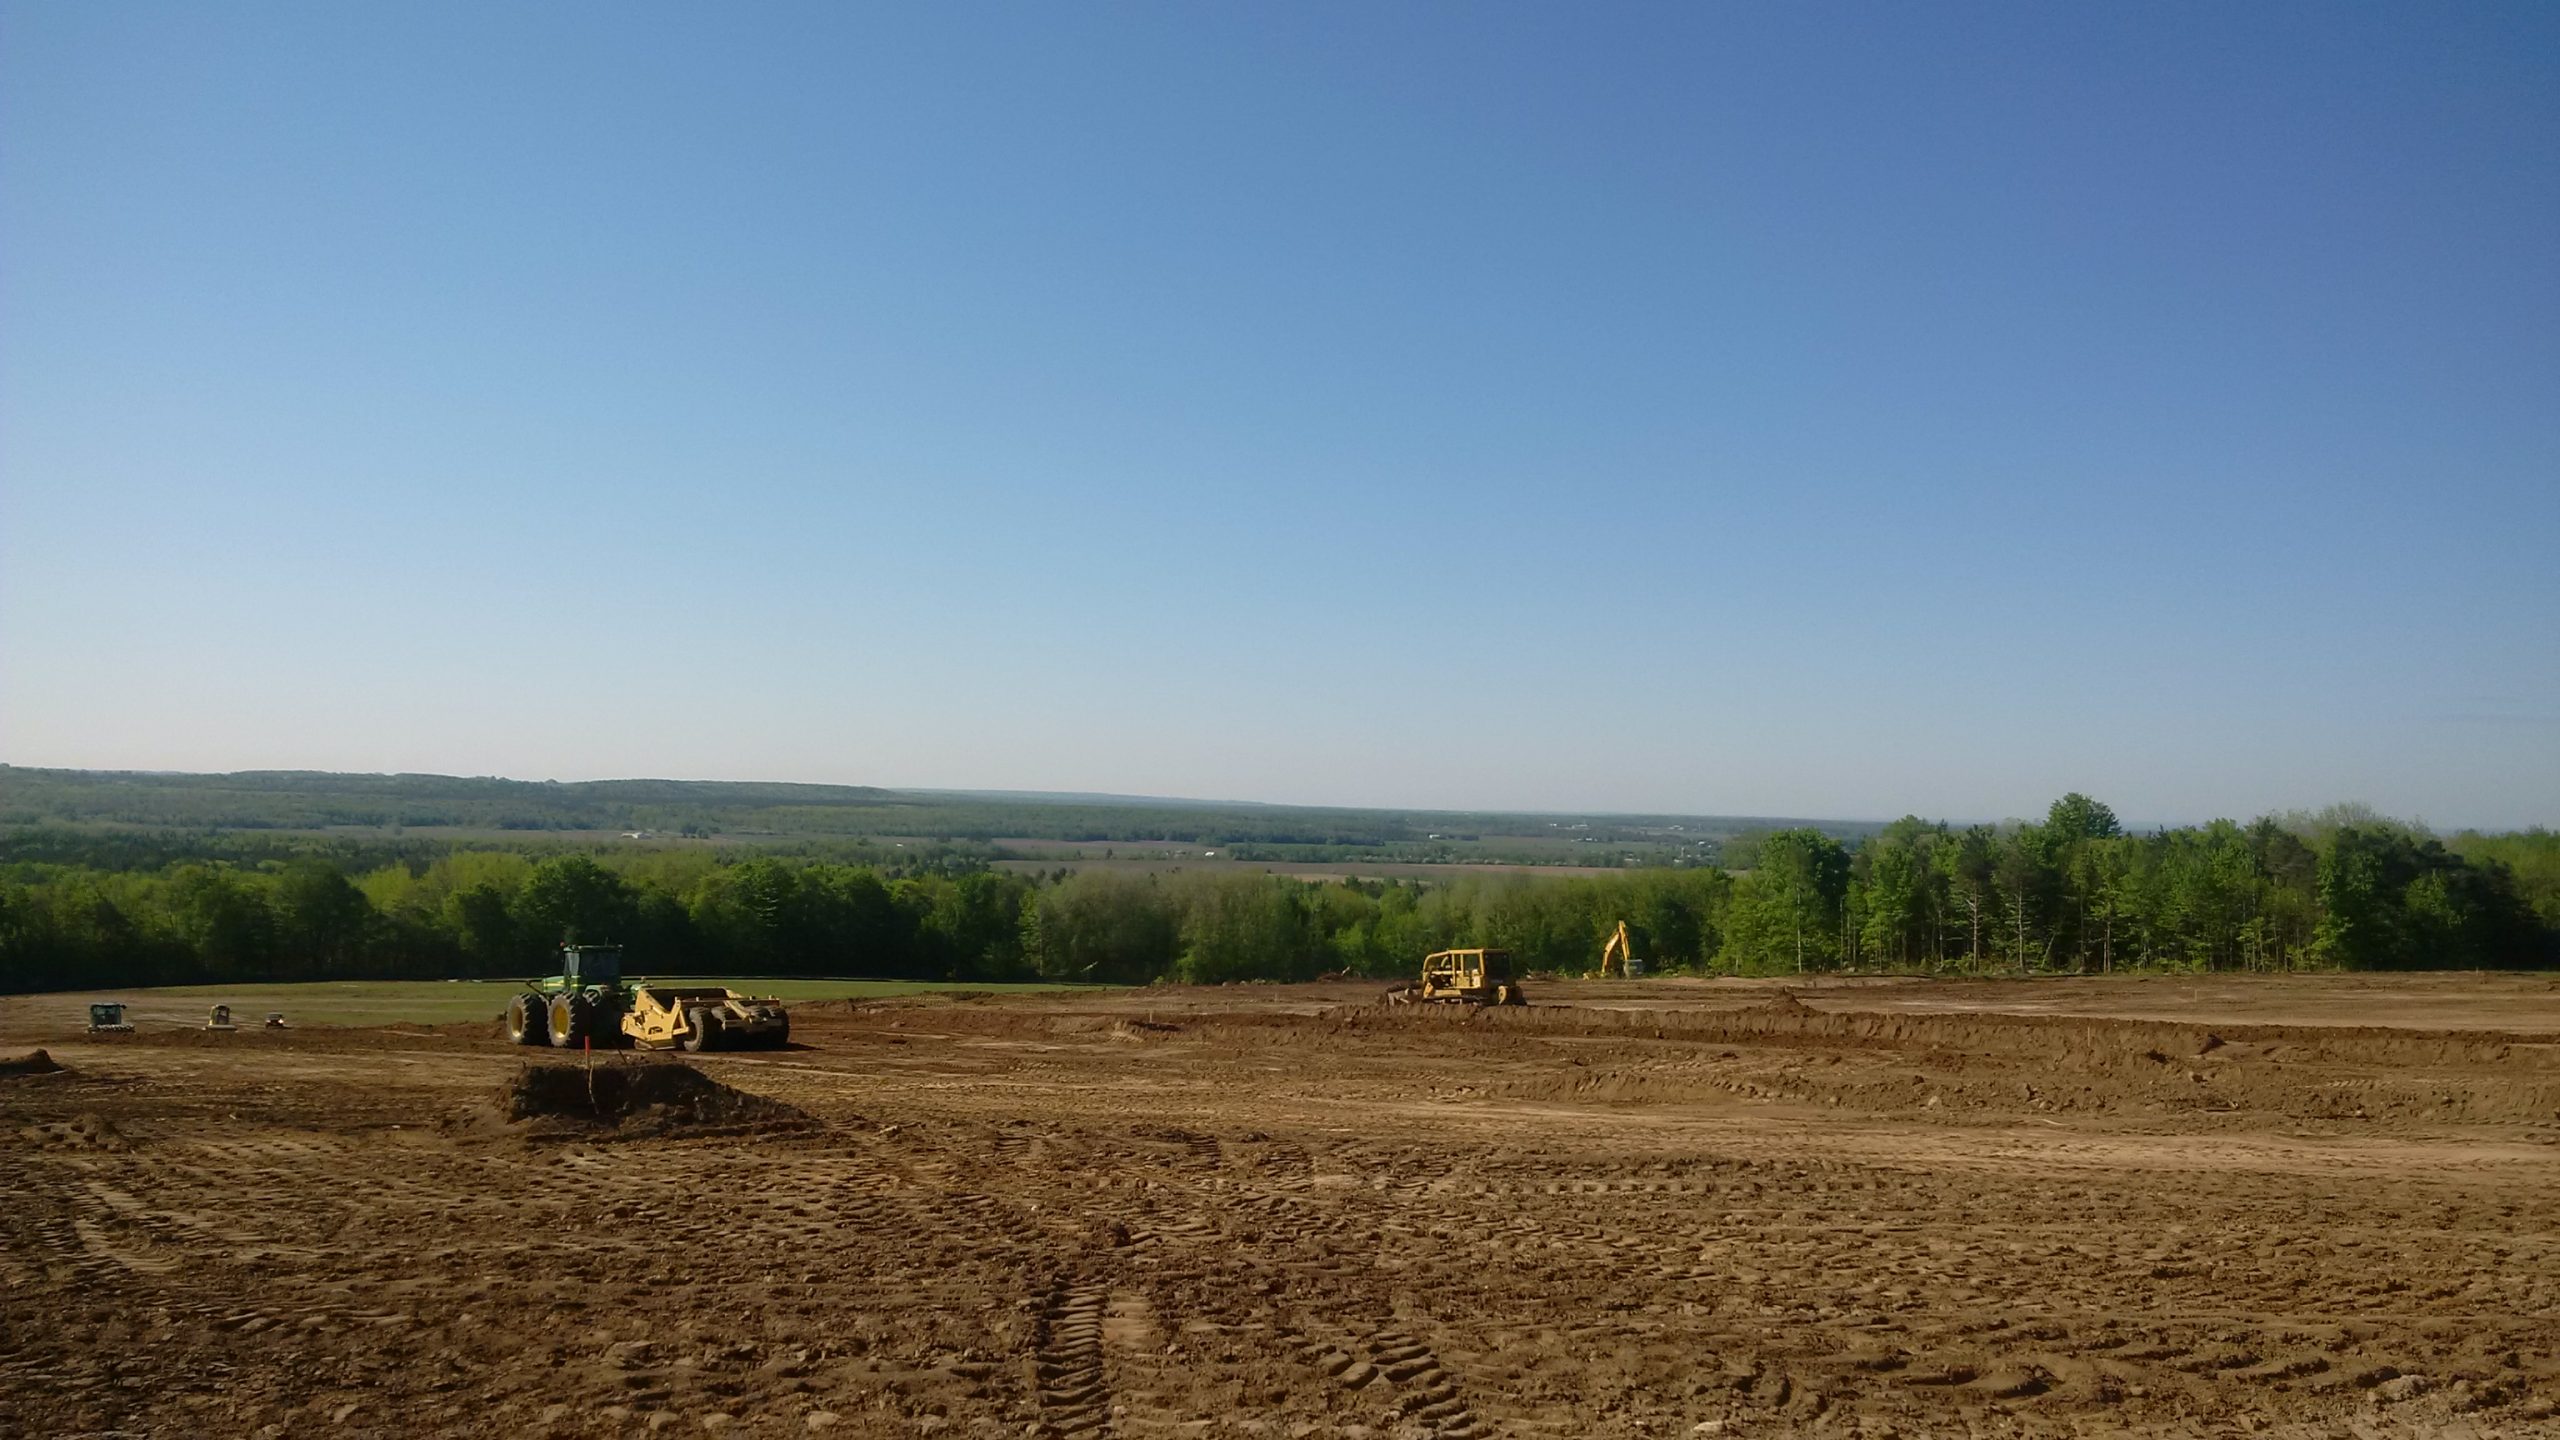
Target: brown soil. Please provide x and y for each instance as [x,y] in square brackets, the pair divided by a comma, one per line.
[636,1099]
[80,1132]
[2289,1207]
[34,1063]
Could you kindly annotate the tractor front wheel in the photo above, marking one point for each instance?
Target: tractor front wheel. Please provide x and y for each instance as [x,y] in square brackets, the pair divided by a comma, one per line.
[573,1017]
[527,1023]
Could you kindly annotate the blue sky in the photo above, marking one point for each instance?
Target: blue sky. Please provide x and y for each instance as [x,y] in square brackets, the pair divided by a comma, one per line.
[1834,410]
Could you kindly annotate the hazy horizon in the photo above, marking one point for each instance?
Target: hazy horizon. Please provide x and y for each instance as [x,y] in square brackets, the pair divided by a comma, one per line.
[1794,411]
[2133,824]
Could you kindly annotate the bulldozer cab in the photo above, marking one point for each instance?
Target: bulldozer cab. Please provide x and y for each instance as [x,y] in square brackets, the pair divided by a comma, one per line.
[1467,969]
[591,964]
[107,1016]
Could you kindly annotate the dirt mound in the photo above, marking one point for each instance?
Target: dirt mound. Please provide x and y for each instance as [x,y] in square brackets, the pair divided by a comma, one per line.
[1783,1003]
[650,1098]
[38,1063]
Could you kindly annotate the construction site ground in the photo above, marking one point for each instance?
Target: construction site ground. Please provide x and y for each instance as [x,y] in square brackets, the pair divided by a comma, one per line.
[2290,1206]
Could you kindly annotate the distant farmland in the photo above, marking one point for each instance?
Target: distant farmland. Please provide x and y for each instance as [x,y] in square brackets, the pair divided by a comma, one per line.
[425,812]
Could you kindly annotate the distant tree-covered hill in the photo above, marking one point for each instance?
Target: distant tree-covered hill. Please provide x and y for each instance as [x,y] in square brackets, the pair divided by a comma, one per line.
[315,800]
[309,799]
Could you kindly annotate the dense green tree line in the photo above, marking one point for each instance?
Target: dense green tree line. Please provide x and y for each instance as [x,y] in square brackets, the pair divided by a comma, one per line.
[2071,893]
[2343,889]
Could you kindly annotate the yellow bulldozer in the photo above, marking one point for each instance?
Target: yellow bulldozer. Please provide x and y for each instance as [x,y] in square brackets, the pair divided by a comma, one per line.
[1463,977]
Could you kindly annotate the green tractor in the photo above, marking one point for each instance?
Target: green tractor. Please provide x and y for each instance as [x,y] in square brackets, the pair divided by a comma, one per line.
[590,1003]
[584,1002]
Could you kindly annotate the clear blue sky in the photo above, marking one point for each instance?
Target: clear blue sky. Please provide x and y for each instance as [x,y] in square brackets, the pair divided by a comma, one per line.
[1832,410]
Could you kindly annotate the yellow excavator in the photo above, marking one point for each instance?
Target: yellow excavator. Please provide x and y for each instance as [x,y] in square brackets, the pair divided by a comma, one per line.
[1618,957]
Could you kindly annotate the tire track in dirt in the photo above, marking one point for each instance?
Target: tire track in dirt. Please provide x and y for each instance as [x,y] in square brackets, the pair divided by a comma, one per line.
[1400,1373]
[1066,1362]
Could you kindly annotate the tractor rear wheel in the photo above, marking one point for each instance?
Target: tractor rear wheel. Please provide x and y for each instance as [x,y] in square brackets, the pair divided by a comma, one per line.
[573,1018]
[781,1037]
[702,1030]
[528,1020]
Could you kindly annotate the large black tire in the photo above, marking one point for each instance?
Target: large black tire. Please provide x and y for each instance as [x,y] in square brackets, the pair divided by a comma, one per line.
[702,1030]
[573,1018]
[781,1037]
[528,1019]
[605,1010]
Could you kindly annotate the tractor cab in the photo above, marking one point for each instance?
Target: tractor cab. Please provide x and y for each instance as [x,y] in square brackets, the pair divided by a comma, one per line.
[584,965]
[108,1018]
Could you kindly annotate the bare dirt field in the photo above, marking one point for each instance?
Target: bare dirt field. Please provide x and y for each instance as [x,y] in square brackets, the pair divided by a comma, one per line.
[2295,1207]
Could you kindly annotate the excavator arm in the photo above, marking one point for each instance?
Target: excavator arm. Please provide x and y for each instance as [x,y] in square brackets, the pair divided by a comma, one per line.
[1613,956]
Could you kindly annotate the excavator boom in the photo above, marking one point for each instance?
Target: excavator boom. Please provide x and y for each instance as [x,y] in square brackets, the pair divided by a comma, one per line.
[1615,955]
